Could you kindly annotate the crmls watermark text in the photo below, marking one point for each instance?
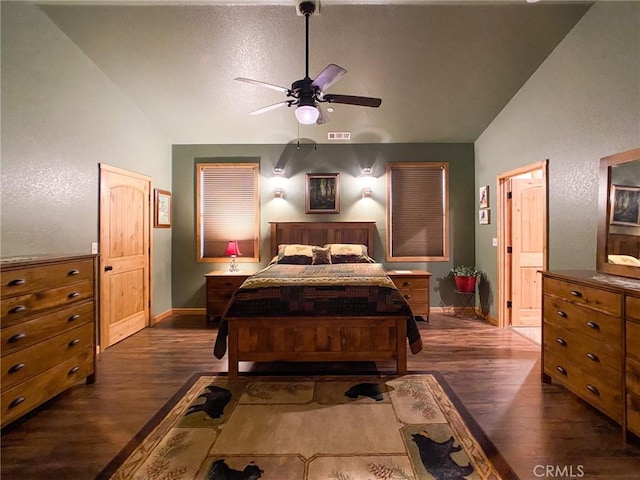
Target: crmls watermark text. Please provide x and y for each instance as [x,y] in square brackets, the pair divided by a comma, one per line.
[558,471]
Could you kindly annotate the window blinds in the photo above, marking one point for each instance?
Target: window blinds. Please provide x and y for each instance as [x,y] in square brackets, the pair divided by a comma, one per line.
[228,209]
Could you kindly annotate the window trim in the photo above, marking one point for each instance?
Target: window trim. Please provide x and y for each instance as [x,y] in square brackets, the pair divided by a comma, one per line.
[256,227]
[446,217]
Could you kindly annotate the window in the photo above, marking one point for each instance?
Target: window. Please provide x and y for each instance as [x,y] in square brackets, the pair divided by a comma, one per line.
[417,212]
[227,209]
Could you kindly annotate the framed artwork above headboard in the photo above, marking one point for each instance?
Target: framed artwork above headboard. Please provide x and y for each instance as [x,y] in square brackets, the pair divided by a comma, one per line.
[321,233]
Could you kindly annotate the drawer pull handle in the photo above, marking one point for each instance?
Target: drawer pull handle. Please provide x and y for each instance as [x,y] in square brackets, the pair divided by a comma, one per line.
[73,317]
[16,401]
[18,309]
[73,370]
[561,370]
[17,367]
[407,297]
[561,341]
[406,284]
[592,356]
[108,268]
[17,337]
[73,295]
[562,314]
[593,325]
[17,281]
[576,293]
[73,272]
[228,284]
[74,342]
[593,389]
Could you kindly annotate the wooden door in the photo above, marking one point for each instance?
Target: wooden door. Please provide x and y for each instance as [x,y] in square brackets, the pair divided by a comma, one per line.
[124,254]
[527,242]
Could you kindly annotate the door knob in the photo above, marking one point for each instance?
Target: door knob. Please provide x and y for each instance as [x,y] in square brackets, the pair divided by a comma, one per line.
[108,268]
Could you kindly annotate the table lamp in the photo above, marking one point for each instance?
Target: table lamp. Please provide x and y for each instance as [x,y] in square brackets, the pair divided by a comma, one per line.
[233,251]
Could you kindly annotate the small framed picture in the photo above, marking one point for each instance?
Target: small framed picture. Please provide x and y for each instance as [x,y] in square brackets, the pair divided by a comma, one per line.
[625,206]
[484,216]
[162,210]
[483,196]
[322,193]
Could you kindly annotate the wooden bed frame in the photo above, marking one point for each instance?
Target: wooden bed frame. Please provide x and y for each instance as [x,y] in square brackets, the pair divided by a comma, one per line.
[313,339]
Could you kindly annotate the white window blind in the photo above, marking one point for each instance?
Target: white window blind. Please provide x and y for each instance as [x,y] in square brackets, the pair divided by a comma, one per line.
[417,212]
[228,209]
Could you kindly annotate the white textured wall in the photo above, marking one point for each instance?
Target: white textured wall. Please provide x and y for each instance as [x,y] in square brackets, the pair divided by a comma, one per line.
[583,103]
[61,117]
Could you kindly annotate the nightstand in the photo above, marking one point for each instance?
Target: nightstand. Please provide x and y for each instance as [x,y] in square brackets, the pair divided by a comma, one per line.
[220,287]
[414,286]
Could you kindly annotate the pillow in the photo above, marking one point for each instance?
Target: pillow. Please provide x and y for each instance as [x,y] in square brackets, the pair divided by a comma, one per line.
[321,256]
[295,254]
[349,253]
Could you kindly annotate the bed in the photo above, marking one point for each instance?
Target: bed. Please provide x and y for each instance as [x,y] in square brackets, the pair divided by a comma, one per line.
[295,310]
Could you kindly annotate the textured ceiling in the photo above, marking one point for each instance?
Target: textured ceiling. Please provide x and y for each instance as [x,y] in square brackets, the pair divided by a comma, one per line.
[444,70]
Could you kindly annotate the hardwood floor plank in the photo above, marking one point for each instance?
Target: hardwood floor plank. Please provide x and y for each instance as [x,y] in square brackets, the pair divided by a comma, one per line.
[494,372]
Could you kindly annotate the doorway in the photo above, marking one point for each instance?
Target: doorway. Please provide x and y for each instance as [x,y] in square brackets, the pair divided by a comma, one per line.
[125,253]
[522,253]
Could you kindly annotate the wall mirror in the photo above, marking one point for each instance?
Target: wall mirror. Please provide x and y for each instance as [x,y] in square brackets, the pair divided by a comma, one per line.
[619,215]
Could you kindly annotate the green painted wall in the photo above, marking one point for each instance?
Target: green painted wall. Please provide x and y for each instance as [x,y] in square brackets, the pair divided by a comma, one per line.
[348,160]
[582,104]
[61,118]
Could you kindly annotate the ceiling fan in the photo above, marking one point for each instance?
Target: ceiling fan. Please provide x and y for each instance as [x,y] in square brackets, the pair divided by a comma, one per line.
[306,94]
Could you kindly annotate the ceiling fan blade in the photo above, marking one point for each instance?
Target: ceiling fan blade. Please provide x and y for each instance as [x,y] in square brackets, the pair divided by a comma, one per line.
[271,107]
[353,100]
[322,118]
[327,77]
[263,84]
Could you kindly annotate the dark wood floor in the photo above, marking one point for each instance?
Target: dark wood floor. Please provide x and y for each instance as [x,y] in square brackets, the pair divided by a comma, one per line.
[495,373]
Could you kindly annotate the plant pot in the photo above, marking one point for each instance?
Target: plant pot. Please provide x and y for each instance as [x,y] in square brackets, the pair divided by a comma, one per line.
[465,284]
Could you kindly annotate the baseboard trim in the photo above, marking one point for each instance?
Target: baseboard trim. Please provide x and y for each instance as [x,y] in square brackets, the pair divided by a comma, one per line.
[178,311]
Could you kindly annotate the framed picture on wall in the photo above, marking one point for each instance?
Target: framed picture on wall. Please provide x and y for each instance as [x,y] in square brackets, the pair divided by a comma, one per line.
[162,209]
[484,216]
[322,193]
[483,196]
[625,207]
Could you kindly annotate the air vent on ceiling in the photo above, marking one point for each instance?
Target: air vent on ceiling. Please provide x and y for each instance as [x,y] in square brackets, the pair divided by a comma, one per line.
[339,135]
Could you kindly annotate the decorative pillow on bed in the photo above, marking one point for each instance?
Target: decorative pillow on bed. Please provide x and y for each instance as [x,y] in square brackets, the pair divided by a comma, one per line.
[349,253]
[295,254]
[321,256]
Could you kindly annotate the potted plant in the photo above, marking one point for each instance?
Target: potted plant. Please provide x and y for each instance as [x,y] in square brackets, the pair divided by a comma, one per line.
[465,278]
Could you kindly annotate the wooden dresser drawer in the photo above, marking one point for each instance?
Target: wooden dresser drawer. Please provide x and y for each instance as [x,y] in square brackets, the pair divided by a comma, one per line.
[35,330]
[414,286]
[16,308]
[28,395]
[633,413]
[633,340]
[410,283]
[22,365]
[602,300]
[599,359]
[598,392]
[30,280]
[600,326]
[633,308]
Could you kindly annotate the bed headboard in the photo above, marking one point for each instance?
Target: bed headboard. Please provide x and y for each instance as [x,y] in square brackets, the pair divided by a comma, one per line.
[320,233]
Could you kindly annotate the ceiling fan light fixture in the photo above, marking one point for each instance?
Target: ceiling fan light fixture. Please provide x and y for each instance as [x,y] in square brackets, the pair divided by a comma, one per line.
[307,114]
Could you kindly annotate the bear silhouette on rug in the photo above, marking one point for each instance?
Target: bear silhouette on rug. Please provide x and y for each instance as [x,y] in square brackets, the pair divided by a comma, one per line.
[221,471]
[371,390]
[436,458]
[216,399]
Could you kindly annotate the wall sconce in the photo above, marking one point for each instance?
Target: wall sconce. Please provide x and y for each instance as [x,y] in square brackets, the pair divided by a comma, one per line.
[366,179]
[278,193]
[366,192]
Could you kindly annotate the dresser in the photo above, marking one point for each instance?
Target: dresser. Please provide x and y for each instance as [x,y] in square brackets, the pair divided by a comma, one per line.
[48,329]
[591,341]
[414,285]
[220,286]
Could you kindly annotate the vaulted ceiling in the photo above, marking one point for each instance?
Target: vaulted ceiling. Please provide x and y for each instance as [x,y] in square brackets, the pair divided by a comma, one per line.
[443,69]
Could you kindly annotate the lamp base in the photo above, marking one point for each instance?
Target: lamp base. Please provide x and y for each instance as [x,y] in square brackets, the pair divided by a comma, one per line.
[233,266]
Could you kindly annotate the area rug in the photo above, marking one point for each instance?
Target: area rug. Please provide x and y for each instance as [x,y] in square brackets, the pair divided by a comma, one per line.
[311,428]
